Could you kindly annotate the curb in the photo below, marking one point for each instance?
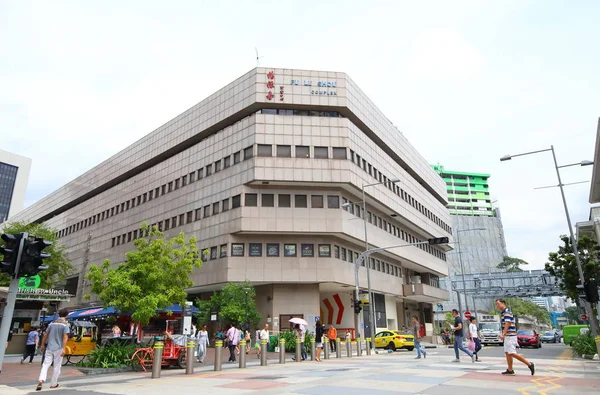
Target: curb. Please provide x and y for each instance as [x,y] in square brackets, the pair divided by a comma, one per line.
[590,356]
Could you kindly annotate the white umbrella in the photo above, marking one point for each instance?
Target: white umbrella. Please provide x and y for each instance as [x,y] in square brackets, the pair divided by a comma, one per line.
[299,321]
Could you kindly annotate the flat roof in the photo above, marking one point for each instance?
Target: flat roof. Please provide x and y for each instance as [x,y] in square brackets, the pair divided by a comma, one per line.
[595,187]
[441,170]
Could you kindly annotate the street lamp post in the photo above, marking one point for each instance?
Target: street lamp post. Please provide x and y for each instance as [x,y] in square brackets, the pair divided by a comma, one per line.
[462,269]
[364,216]
[593,320]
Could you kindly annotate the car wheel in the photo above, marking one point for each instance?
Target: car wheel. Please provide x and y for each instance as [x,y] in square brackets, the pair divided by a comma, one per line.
[410,348]
[391,346]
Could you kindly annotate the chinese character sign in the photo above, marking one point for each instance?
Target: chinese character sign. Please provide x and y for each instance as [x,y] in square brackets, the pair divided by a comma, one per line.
[270,85]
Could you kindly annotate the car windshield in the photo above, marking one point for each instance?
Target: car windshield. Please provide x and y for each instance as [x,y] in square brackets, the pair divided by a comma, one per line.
[549,334]
[525,332]
[402,333]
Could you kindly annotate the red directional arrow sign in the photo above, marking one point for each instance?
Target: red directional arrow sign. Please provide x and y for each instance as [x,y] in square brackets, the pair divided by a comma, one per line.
[338,301]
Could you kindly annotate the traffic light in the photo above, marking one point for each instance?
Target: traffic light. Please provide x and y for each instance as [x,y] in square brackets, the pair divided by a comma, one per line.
[32,260]
[591,291]
[438,240]
[357,306]
[9,250]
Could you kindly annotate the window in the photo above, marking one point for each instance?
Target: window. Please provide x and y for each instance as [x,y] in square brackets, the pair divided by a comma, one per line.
[264,150]
[237,249]
[167,224]
[236,201]
[302,151]
[226,162]
[176,184]
[217,166]
[170,189]
[201,173]
[284,151]
[225,205]
[321,152]
[206,211]
[307,250]
[208,170]
[285,201]
[343,256]
[192,177]
[135,234]
[190,217]
[316,201]
[251,200]
[268,200]
[248,152]
[223,251]
[300,201]
[272,249]
[215,208]
[181,219]
[214,252]
[255,249]
[112,245]
[325,250]
[174,222]
[336,252]
[333,202]
[236,158]
[198,214]
[289,250]
[339,153]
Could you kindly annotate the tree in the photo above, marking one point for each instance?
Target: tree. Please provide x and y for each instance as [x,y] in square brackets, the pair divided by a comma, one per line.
[59,265]
[563,265]
[153,277]
[572,314]
[521,307]
[512,264]
[235,303]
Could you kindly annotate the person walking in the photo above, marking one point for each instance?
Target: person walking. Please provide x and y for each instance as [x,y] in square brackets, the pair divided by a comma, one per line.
[332,335]
[264,335]
[319,333]
[509,336]
[53,346]
[233,338]
[458,337]
[33,339]
[417,333]
[248,341]
[203,343]
[474,336]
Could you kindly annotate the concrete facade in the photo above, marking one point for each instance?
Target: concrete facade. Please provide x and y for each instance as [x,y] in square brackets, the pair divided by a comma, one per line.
[14,176]
[259,172]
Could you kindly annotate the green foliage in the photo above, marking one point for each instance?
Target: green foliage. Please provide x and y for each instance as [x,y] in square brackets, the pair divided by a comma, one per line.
[512,264]
[235,303]
[563,266]
[114,355]
[521,307]
[290,340]
[153,276]
[584,345]
[572,314]
[59,265]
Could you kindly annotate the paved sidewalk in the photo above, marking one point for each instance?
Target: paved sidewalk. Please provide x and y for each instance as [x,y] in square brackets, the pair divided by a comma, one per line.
[382,374]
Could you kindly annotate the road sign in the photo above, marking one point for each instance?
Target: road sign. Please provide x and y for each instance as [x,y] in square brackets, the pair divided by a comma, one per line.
[467,314]
[30,282]
[583,317]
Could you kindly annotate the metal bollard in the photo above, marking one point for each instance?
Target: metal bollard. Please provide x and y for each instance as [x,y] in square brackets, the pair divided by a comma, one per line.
[189,357]
[157,360]
[358,347]
[218,355]
[281,350]
[298,350]
[338,348]
[242,345]
[263,352]
[313,350]
[326,348]
[349,348]
[368,345]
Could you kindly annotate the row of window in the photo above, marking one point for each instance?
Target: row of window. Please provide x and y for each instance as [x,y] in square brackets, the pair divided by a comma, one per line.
[301,151]
[392,186]
[183,219]
[381,223]
[285,200]
[309,113]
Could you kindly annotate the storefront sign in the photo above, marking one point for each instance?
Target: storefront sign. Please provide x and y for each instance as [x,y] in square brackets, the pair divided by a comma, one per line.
[289,250]
[61,295]
[237,249]
[272,249]
[308,250]
[325,250]
[255,249]
[30,282]
[321,86]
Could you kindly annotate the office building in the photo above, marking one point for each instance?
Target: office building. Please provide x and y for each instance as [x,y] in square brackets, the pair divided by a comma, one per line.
[14,175]
[260,172]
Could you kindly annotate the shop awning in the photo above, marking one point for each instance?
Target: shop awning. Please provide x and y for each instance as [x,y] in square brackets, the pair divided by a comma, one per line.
[100,311]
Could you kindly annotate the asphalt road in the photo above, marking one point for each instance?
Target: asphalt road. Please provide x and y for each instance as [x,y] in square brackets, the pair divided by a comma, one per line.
[548,351]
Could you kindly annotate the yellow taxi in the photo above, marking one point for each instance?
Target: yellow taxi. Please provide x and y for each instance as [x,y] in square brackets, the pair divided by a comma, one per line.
[393,340]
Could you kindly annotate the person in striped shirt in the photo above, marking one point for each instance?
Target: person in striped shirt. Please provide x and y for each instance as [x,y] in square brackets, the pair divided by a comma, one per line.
[509,336]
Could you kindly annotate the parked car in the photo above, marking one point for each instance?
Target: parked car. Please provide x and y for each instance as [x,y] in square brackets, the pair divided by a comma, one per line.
[529,338]
[550,337]
[393,340]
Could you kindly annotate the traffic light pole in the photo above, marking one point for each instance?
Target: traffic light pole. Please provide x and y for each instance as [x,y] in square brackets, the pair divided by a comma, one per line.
[10,302]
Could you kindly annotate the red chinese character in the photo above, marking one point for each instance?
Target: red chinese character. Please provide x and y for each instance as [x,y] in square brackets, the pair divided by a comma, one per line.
[270,95]
[271,75]
[270,85]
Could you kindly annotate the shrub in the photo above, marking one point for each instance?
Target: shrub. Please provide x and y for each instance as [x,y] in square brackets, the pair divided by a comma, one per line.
[290,340]
[114,355]
[584,344]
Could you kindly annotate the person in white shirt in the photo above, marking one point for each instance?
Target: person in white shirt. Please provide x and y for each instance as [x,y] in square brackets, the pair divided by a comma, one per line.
[264,335]
[475,337]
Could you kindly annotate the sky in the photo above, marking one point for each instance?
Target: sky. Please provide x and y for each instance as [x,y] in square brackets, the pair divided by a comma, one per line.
[466,82]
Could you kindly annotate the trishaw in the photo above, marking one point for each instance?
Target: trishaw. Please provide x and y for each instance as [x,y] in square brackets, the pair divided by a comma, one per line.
[82,340]
[174,352]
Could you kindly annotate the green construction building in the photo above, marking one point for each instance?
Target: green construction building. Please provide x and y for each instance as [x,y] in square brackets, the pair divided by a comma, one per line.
[468,193]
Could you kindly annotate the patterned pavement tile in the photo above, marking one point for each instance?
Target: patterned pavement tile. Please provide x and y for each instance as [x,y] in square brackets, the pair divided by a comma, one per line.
[338,390]
[407,379]
[254,385]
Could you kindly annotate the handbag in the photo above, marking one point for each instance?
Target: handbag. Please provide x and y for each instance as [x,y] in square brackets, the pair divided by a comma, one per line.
[471,345]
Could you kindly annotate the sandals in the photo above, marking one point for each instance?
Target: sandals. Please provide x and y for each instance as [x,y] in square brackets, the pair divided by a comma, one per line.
[54,386]
[39,387]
